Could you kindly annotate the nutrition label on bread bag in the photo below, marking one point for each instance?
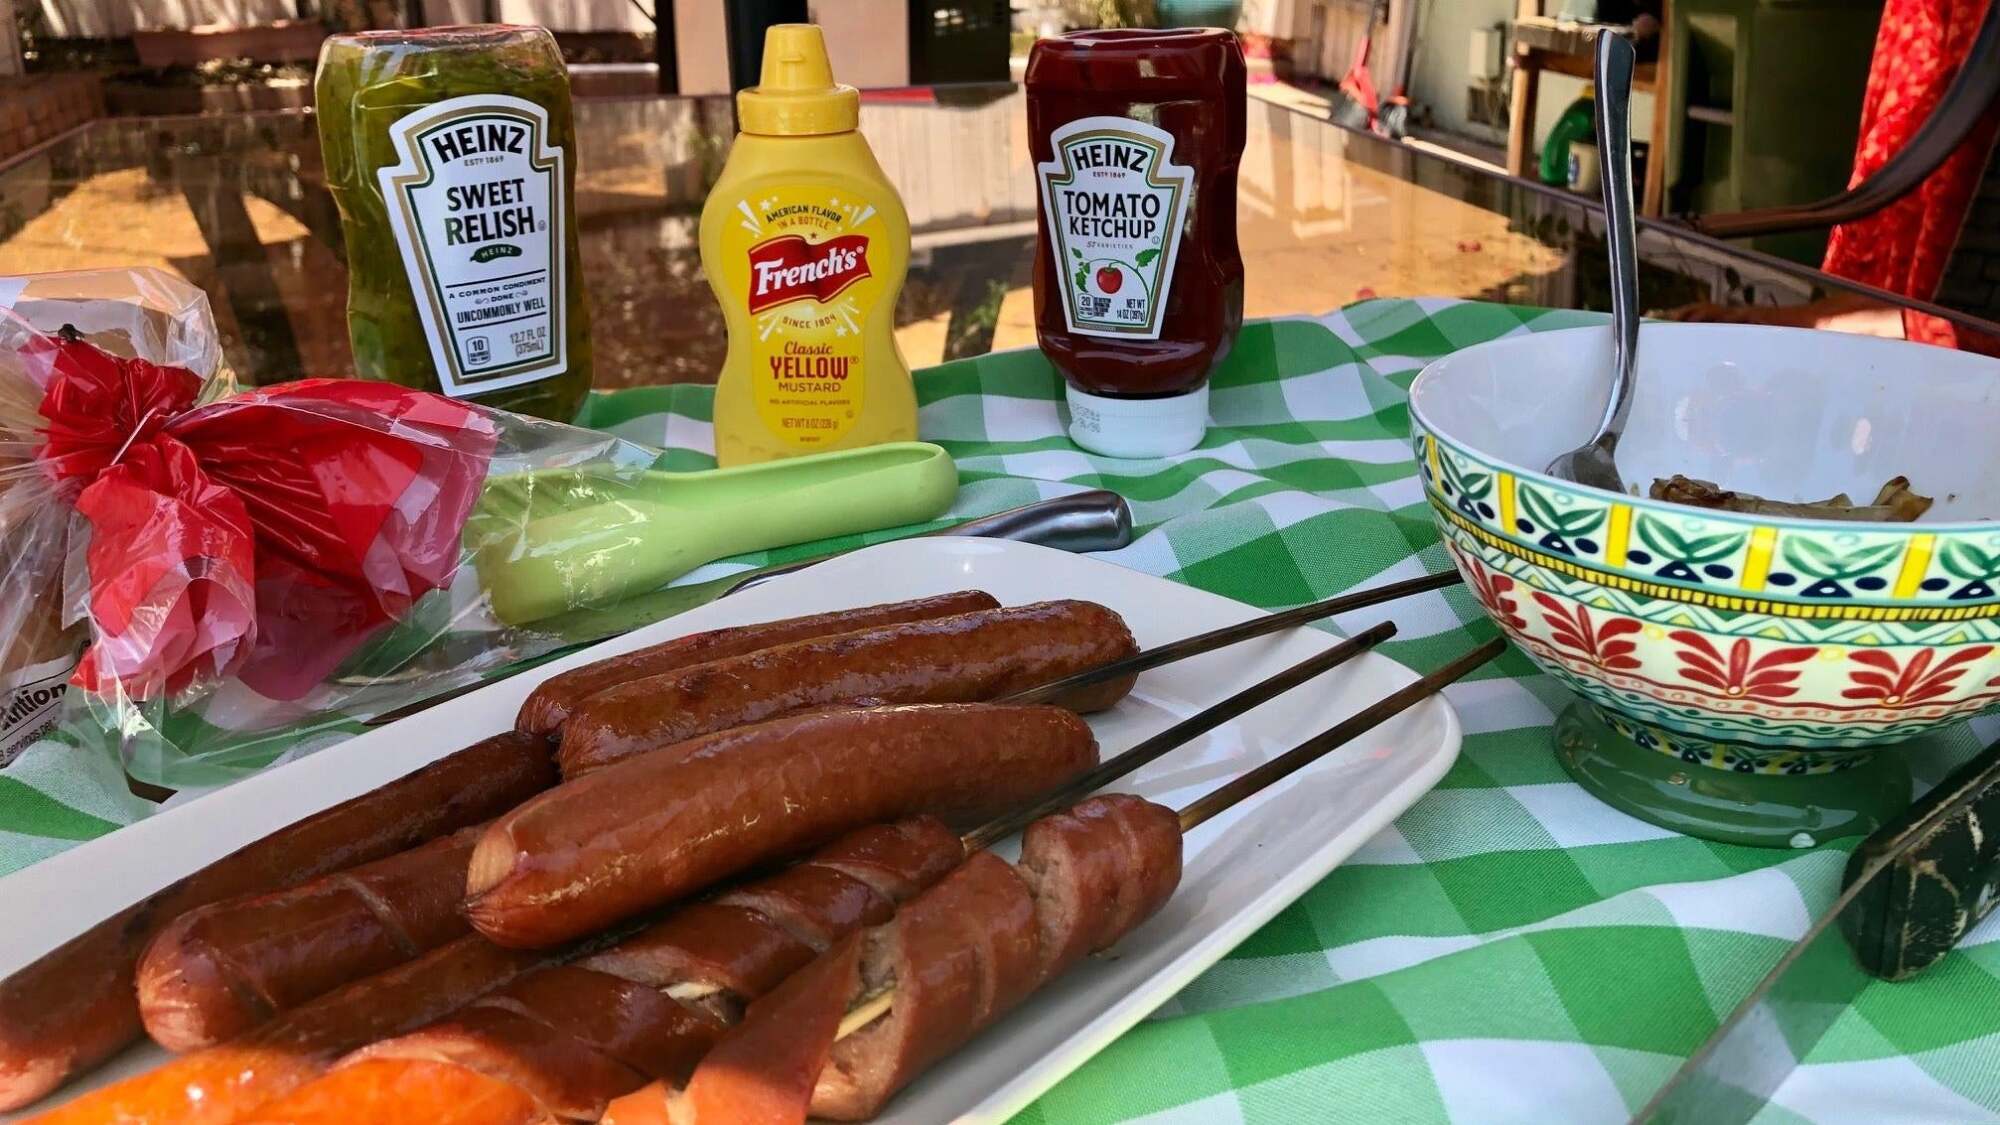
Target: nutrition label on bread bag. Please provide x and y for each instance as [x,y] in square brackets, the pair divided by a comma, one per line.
[29,700]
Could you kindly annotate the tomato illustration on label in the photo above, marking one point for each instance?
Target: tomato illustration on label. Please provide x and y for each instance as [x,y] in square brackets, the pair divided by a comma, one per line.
[1116,205]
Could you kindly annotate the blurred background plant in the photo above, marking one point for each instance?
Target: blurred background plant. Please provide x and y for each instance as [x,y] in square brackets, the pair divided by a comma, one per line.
[1110,13]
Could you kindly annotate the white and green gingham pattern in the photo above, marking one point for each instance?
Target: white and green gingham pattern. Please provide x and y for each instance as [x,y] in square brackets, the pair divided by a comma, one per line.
[1510,950]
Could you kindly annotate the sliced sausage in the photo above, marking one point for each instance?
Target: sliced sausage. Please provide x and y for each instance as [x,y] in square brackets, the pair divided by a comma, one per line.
[983,655]
[221,969]
[551,702]
[1097,870]
[814,904]
[744,953]
[635,1024]
[955,959]
[899,859]
[958,956]
[572,1038]
[735,950]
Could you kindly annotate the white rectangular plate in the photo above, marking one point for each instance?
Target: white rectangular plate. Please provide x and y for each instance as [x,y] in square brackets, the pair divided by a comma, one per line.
[1241,868]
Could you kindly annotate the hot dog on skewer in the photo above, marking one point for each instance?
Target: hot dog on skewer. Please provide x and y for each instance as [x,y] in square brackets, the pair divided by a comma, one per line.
[572,1038]
[969,657]
[219,1062]
[654,829]
[952,961]
[552,701]
[715,955]
[974,759]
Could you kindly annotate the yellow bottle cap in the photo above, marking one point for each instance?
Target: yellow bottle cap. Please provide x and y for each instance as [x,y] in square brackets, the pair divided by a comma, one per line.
[796,95]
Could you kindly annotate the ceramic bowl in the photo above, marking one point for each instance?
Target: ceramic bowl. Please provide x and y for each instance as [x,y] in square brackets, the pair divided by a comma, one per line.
[1758,646]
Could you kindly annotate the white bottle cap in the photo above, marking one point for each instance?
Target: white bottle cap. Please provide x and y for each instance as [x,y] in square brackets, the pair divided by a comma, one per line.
[1138,427]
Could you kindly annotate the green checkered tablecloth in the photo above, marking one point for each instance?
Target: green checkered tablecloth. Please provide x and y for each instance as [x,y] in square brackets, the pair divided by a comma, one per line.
[1510,950]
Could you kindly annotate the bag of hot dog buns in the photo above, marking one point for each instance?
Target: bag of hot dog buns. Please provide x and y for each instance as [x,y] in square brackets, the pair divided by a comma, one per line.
[199,579]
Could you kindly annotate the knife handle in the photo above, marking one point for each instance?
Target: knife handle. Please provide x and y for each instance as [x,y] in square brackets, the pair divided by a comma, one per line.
[1096,520]
[1943,876]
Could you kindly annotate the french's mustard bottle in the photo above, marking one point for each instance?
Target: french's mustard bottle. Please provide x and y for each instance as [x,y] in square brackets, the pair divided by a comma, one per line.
[805,243]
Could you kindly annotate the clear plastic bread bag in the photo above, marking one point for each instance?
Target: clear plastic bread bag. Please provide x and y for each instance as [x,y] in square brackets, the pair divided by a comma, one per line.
[202,580]
[145,314]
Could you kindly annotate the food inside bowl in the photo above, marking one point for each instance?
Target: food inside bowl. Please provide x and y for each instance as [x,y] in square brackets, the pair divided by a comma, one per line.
[1894,503]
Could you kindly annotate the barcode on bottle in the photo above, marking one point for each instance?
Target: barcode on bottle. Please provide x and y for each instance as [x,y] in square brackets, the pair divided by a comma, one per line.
[490,312]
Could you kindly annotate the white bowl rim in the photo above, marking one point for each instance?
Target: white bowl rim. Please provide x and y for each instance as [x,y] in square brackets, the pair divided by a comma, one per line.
[1971,527]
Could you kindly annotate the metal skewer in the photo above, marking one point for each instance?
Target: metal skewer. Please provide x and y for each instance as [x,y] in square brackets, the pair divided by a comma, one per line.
[1312,749]
[1234,634]
[1230,793]
[1179,734]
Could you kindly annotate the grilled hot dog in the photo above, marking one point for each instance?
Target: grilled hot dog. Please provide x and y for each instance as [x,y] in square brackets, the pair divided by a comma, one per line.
[75,1007]
[557,696]
[661,826]
[982,655]
[221,969]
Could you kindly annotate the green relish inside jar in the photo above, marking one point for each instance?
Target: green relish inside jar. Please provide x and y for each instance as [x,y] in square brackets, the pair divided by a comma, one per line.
[452,157]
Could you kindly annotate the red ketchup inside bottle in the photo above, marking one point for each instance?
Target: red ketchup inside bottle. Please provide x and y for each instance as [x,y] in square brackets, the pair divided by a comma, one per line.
[1136,137]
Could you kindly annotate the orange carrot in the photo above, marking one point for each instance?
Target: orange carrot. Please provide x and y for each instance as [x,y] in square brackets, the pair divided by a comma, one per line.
[403,1092]
[646,1106]
[200,1089]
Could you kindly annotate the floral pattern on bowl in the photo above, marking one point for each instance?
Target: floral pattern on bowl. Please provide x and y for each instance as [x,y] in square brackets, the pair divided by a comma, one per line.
[1792,568]
[1757,646]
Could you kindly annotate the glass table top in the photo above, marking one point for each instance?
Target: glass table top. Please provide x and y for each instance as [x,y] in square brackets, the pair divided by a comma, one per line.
[1327,216]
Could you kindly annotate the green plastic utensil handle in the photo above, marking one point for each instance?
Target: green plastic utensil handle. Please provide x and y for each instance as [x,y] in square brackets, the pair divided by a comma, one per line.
[572,541]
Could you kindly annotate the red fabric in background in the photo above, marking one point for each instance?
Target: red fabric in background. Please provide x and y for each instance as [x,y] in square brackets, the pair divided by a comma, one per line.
[1904,247]
[264,536]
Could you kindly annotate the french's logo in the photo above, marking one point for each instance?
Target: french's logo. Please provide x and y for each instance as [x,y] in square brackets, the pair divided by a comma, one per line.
[789,268]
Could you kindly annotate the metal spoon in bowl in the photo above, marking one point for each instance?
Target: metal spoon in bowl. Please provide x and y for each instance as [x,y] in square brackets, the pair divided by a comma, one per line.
[1592,463]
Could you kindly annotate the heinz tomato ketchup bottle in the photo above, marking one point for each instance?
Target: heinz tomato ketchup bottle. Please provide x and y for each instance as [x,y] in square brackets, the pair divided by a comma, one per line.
[805,243]
[1136,137]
